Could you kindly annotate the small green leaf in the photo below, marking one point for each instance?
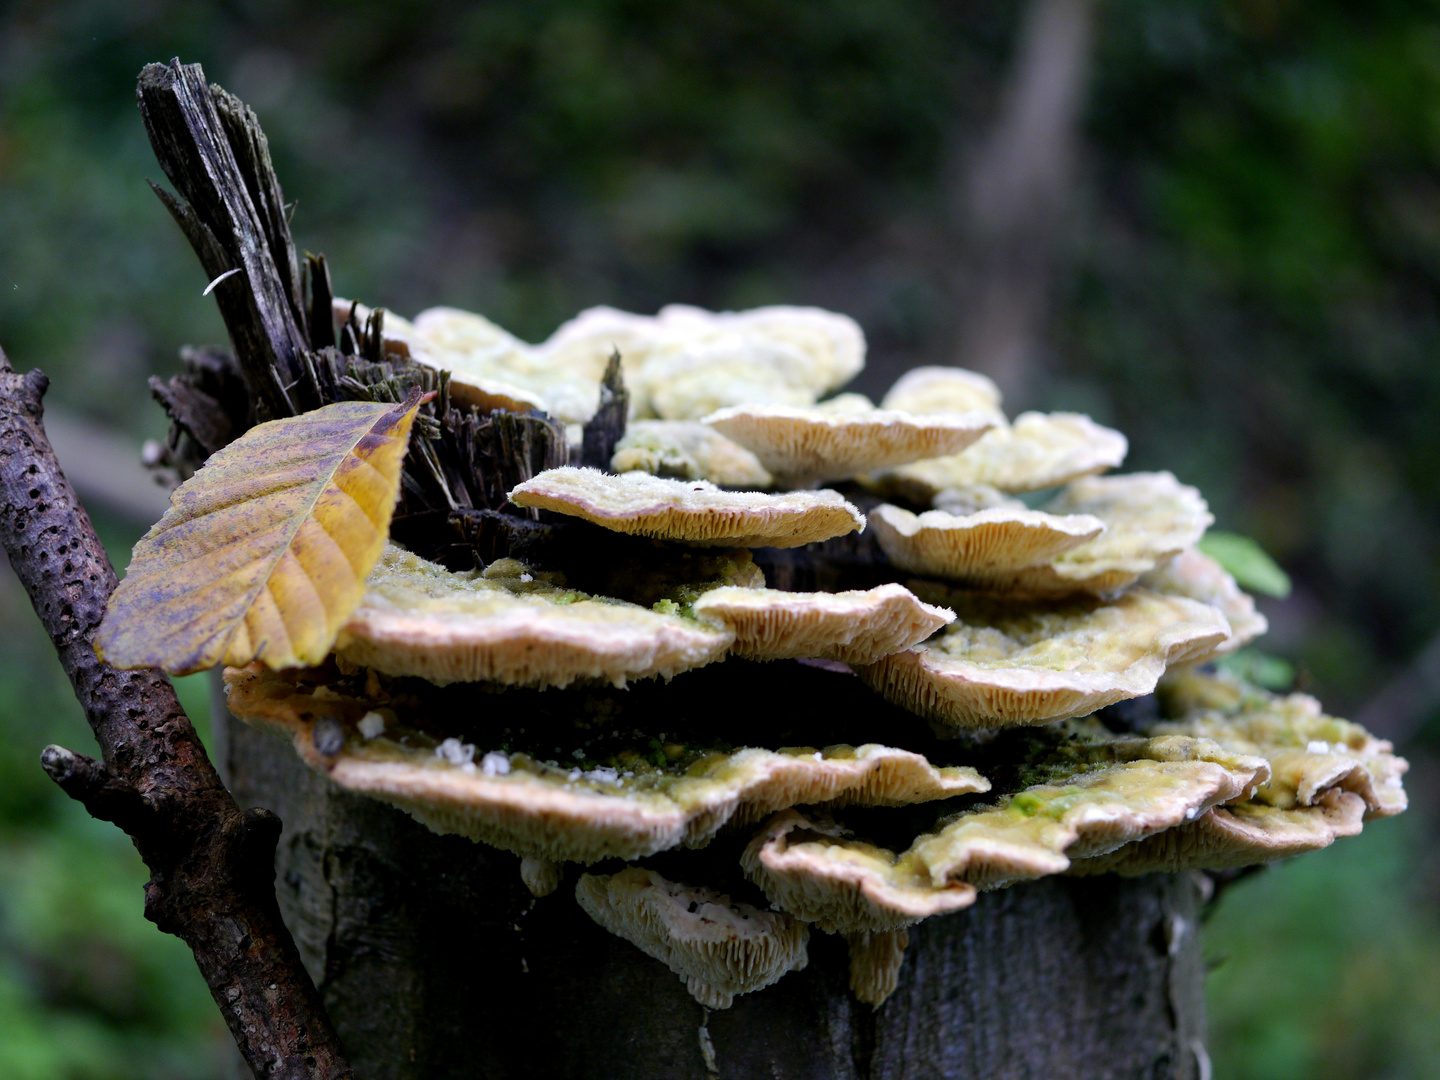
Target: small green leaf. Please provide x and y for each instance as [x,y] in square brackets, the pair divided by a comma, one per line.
[1266,671]
[1247,563]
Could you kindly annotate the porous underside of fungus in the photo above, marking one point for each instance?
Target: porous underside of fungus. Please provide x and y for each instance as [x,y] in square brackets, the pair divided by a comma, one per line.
[980,548]
[636,800]
[507,625]
[812,444]
[875,960]
[855,627]
[1039,450]
[688,450]
[1001,664]
[717,947]
[696,512]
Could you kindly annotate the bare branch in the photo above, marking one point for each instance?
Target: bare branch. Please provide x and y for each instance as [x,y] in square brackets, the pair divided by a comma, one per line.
[212,868]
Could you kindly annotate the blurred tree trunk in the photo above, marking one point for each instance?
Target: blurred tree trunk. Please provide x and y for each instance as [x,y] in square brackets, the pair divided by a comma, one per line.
[1010,195]
[435,962]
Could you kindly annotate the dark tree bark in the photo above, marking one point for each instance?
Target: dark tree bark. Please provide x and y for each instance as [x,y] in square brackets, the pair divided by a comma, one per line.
[436,962]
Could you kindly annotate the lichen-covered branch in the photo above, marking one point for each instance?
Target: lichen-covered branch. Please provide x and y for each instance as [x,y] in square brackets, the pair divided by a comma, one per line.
[211,865]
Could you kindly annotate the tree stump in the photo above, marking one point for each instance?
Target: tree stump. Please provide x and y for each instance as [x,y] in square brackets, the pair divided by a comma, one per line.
[435,962]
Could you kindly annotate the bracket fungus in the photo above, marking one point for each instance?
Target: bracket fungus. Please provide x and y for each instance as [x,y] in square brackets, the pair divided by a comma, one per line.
[697,512]
[587,684]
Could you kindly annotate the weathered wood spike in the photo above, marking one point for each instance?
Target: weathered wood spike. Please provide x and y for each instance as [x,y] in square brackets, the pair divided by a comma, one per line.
[260,305]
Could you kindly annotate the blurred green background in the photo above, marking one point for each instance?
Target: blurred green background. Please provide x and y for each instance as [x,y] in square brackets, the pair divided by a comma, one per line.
[1215,226]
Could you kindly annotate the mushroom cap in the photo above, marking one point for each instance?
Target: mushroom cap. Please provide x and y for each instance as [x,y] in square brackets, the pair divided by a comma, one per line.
[829,444]
[539,809]
[978,548]
[1194,574]
[943,390]
[1149,517]
[695,511]
[417,618]
[999,665]
[856,627]
[1039,450]
[717,947]
[699,361]
[688,450]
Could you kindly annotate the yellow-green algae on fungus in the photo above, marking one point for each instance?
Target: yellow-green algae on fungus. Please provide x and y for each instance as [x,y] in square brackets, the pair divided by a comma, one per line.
[1148,517]
[978,548]
[625,809]
[855,627]
[802,444]
[1309,752]
[1039,450]
[693,511]
[719,948]
[688,450]
[1004,664]
[1109,792]
[510,625]
[1196,575]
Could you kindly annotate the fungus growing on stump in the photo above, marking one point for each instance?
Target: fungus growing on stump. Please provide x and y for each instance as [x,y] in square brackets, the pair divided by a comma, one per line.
[567,673]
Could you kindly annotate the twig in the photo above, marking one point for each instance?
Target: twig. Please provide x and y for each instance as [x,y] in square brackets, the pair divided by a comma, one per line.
[211,865]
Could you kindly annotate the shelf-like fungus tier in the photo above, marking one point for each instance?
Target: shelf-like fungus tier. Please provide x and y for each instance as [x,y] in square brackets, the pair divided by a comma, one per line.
[943,390]
[620,797]
[1097,536]
[855,627]
[508,625]
[1094,794]
[696,512]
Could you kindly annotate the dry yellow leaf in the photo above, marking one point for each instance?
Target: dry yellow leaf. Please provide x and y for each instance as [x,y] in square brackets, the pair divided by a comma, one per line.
[264,552]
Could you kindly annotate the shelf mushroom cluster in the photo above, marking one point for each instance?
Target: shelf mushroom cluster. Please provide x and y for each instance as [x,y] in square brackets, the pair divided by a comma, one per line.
[971,679]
